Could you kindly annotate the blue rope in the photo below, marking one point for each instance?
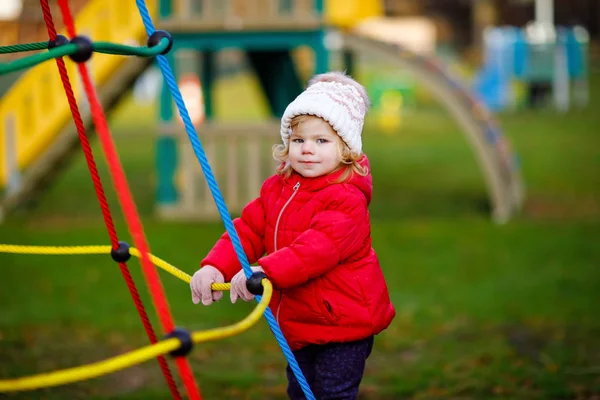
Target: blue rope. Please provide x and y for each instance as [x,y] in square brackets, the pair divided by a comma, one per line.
[219,201]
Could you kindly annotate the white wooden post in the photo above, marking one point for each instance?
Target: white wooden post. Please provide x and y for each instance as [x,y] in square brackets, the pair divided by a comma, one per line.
[210,149]
[544,12]
[254,168]
[232,173]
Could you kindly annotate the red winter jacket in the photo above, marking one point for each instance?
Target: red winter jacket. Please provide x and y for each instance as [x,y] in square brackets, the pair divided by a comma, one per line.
[316,233]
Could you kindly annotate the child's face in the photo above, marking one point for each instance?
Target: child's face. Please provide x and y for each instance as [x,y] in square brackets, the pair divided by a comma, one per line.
[314,148]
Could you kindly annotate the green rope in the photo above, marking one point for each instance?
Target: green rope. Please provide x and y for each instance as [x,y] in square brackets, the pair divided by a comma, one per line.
[23,47]
[144,51]
[35,59]
[68,49]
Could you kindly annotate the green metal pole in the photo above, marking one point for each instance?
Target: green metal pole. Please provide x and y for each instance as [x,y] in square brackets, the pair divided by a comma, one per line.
[319,6]
[165,8]
[321,54]
[349,62]
[207,78]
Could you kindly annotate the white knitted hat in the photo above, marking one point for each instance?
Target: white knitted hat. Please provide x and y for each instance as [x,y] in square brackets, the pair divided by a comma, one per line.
[339,100]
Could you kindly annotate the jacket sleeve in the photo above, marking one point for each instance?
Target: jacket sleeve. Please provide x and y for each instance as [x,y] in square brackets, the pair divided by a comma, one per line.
[250,227]
[334,234]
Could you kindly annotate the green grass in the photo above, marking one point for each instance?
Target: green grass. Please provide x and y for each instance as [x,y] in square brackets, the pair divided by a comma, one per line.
[484,311]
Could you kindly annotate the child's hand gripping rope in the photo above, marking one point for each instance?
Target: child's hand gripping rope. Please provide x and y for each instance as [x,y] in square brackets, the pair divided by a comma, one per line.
[201,285]
[239,288]
[204,278]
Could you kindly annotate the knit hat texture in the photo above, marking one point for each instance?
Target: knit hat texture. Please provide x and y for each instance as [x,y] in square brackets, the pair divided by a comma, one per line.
[339,100]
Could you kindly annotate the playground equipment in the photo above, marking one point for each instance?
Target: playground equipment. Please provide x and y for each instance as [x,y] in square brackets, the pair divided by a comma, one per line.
[36,137]
[394,91]
[34,149]
[372,34]
[173,344]
[267,31]
[537,56]
[498,163]
[177,342]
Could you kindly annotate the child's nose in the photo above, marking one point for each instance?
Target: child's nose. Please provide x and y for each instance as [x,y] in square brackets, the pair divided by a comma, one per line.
[307,147]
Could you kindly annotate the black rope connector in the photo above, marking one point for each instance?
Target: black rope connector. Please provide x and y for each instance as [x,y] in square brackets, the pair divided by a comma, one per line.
[84,51]
[155,38]
[122,253]
[254,283]
[60,40]
[185,338]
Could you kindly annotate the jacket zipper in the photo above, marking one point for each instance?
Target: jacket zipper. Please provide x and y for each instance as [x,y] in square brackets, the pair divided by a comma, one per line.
[296,187]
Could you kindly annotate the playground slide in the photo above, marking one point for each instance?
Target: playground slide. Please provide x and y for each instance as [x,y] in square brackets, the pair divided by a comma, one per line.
[499,167]
[37,130]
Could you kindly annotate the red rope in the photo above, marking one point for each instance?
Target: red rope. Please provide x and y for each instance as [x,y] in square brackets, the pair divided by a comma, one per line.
[102,199]
[129,210]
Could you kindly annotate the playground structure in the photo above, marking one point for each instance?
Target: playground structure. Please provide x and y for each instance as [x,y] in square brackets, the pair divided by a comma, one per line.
[482,131]
[181,193]
[539,55]
[171,344]
[33,147]
[177,342]
[268,31]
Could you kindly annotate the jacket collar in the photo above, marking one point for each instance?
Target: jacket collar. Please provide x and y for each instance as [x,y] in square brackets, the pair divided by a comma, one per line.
[364,183]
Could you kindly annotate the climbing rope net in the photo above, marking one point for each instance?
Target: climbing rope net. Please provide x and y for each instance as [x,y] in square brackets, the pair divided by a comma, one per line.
[177,341]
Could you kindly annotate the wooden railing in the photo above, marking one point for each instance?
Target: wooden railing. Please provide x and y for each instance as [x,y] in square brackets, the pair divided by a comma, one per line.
[240,156]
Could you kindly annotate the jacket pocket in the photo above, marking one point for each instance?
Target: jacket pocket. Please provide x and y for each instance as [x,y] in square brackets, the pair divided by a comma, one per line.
[327,308]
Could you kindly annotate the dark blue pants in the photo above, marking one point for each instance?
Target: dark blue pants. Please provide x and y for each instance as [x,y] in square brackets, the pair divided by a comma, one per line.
[332,370]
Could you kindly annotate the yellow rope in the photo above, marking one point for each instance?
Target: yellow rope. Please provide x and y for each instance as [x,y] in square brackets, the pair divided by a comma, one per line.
[73,250]
[76,374]
[16,249]
[89,371]
[132,358]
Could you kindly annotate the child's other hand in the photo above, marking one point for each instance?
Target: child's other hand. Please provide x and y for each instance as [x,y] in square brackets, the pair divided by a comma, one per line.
[201,285]
[238,286]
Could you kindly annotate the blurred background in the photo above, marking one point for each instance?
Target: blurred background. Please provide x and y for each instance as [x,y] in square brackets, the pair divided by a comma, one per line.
[484,140]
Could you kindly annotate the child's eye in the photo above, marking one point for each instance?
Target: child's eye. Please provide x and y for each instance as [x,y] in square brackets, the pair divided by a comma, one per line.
[322,140]
[298,141]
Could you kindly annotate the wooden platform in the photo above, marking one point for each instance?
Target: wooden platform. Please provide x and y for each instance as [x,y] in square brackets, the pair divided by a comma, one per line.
[187,16]
[185,25]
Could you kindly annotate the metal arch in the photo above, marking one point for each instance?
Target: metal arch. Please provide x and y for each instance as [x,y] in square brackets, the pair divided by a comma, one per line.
[502,178]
